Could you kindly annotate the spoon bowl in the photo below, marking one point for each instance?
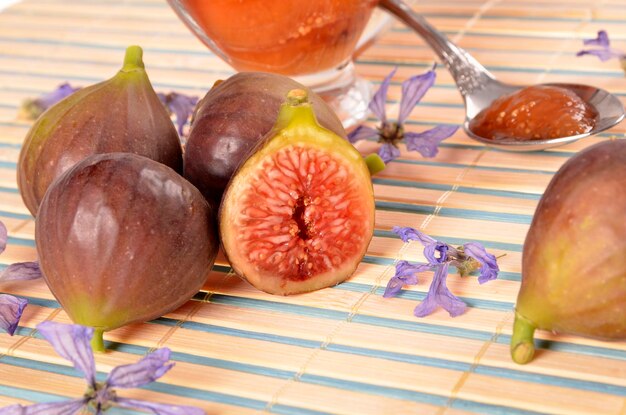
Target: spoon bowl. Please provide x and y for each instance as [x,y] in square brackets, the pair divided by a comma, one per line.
[479,88]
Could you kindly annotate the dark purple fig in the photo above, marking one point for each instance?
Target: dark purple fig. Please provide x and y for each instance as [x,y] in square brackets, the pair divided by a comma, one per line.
[231,119]
[574,259]
[123,239]
[298,214]
[122,114]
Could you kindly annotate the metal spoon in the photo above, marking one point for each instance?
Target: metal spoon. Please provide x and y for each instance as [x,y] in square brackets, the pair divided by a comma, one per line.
[479,88]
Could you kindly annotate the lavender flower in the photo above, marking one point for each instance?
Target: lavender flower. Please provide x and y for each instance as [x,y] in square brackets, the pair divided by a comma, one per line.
[11,308]
[72,343]
[467,258]
[604,51]
[181,106]
[33,108]
[391,133]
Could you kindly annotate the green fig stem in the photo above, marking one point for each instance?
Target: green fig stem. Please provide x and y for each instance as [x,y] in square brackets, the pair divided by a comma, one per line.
[133,59]
[97,341]
[522,343]
[374,163]
[297,110]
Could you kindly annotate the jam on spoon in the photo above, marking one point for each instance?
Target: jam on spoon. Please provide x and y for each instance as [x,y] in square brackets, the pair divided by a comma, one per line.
[535,113]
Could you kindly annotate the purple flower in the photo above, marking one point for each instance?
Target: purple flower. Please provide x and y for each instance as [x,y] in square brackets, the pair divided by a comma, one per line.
[11,308]
[389,133]
[405,275]
[72,343]
[440,256]
[439,295]
[604,51]
[181,106]
[33,108]
[488,264]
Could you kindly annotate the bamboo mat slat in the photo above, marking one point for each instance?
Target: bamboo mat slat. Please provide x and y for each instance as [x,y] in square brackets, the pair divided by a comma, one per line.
[346,349]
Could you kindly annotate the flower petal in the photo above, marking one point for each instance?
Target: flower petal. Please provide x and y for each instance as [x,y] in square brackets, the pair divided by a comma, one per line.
[16,409]
[602,54]
[407,271]
[394,286]
[377,105]
[406,274]
[33,108]
[426,142]
[439,295]
[159,408]
[602,40]
[145,371]
[407,234]
[11,309]
[413,90]
[362,132]
[52,408]
[489,265]
[3,237]
[431,249]
[21,271]
[71,341]
[182,106]
[388,152]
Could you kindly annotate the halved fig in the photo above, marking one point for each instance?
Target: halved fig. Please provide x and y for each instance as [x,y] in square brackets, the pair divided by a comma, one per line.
[298,214]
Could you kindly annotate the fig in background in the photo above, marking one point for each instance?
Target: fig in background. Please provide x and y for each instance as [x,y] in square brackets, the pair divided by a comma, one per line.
[231,119]
[122,114]
[123,239]
[574,259]
[298,214]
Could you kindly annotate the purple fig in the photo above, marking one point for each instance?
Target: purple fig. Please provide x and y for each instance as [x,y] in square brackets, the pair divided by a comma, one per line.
[122,114]
[123,239]
[574,259]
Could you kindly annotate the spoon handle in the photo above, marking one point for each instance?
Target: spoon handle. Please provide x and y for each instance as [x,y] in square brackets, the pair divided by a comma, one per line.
[468,74]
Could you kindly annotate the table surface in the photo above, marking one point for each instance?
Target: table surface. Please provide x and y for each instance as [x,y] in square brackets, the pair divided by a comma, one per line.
[342,350]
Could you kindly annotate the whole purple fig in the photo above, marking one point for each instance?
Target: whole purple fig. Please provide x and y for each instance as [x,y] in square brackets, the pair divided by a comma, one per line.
[123,239]
[574,259]
[122,114]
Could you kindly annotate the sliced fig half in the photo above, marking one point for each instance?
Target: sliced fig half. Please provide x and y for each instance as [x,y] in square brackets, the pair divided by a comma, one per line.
[298,215]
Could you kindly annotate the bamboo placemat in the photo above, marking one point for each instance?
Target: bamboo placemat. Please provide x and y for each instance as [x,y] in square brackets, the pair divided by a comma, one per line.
[342,350]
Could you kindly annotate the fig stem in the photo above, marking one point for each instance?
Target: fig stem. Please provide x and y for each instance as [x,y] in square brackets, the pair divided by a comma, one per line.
[297,97]
[97,341]
[297,110]
[133,59]
[522,343]
[374,163]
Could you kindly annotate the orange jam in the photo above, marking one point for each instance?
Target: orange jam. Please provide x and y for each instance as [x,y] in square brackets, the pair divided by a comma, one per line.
[535,113]
[292,37]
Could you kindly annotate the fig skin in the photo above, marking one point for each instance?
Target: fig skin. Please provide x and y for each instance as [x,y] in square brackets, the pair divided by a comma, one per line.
[310,214]
[122,114]
[123,239]
[230,121]
[574,262]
